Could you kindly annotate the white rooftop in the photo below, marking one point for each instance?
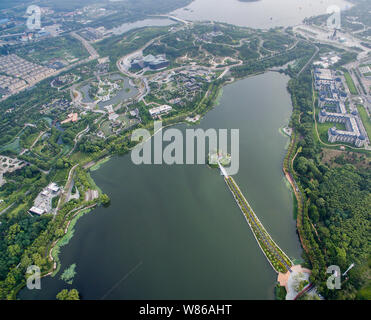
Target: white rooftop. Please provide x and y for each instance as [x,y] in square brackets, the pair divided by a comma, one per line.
[37,210]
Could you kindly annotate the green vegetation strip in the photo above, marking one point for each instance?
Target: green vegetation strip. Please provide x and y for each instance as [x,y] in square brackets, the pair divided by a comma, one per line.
[99,163]
[272,250]
[350,83]
[365,119]
[65,240]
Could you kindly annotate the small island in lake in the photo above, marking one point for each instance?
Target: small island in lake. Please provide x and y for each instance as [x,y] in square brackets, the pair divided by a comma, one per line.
[218,156]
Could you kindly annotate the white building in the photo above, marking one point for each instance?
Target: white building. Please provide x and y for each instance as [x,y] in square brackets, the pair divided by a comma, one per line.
[43,202]
[37,211]
[154,112]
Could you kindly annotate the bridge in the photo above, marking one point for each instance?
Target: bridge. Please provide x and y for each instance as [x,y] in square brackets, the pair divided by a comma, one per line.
[279,261]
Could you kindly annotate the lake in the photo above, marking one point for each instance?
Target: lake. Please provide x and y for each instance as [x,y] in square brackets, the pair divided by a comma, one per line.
[175,232]
[263,14]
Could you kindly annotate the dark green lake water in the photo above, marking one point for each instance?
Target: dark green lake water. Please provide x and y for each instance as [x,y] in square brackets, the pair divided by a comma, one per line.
[175,232]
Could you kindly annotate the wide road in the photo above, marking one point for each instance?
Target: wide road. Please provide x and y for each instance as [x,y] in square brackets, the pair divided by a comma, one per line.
[92,52]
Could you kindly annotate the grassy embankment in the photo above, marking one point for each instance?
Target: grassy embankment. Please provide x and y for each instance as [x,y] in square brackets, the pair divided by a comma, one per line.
[365,119]
[350,83]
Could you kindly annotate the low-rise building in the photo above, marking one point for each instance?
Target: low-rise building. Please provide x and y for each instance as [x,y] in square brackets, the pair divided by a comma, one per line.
[153,62]
[43,202]
[332,109]
[36,210]
[72,117]
[154,112]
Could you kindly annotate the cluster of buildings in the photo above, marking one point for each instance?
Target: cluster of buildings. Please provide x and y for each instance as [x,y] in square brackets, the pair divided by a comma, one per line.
[157,111]
[365,71]
[60,104]
[189,83]
[43,202]
[327,60]
[28,36]
[112,115]
[193,119]
[91,34]
[9,165]
[103,65]
[64,80]
[12,65]
[208,37]
[332,109]
[106,89]
[181,87]
[151,62]
[192,76]
[37,35]
[134,113]
[72,117]
[10,85]
[115,122]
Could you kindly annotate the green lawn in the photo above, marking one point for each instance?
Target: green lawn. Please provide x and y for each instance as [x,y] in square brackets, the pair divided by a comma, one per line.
[323,129]
[365,119]
[12,146]
[106,128]
[64,47]
[350,83]
[29,139]
[80,157]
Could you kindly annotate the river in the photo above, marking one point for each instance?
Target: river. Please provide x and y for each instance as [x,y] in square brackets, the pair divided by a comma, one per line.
[175,232]
[263,14]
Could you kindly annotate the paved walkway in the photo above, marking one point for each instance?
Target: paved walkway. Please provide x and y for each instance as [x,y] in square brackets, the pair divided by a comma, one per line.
[287,280]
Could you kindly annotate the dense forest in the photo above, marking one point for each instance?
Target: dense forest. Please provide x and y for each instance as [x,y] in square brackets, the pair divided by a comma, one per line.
[335,218]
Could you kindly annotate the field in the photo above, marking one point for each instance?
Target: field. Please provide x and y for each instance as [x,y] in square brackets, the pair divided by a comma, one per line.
[350,83]
[335,158]
[365,119]
[106,128]
[12,146]
[323,129]
[63,48]
[80,157]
